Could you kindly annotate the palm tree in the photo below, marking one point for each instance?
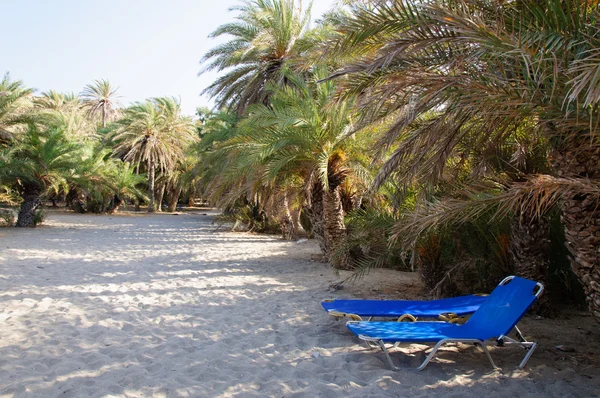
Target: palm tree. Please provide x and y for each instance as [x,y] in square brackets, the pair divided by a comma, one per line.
[155,133]
[100,98]
[178,179]
[102,182]
[15,99]
[114,182]
[53,100]
[265,36]
[446,72]
[513,161]
[125,183]
[300,135]
[43,160]
[54,108]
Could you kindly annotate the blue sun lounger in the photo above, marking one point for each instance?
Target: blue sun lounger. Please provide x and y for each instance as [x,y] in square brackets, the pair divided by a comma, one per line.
[448,308]
[497,316]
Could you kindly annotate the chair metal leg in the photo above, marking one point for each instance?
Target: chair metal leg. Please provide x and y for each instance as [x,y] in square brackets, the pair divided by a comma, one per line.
[520,335]
[372,342]
[419,368]
[528,355]
[527,345]
[487,352]
[431,355]
[387,356]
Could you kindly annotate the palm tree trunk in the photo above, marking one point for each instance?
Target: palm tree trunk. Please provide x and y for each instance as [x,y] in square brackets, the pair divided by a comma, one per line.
[530,251]
[160,197]
[173,198]
[286,222]
[104,116]
[115,202]
[581,216]
[315,215]
[335,229]
[151,207]
[31,202]
[581,219]
[296,221]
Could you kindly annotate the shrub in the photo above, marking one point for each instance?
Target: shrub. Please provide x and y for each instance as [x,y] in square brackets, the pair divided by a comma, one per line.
[368,241]
[40,217]
[7,218]
[248,217]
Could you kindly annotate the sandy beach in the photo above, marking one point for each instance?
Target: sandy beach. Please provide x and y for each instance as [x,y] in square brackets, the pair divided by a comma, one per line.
[164,306]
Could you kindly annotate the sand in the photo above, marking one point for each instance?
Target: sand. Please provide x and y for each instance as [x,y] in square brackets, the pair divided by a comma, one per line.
[162,306]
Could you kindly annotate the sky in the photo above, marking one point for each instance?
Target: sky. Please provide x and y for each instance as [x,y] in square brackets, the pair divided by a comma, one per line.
[147,48]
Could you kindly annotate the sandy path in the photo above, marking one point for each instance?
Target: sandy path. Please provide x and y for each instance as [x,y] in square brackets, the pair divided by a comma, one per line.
[162,306]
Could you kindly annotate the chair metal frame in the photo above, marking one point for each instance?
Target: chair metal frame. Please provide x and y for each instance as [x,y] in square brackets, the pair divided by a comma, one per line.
[500,341]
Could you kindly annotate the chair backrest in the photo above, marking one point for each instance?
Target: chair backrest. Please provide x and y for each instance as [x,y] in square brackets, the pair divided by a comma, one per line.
[505,306]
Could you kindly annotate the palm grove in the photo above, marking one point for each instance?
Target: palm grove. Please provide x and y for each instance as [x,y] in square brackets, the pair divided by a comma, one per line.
[87,150]
[456,138]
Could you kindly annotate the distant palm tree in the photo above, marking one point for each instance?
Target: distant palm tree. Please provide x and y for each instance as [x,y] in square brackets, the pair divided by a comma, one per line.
[54,108]
[124,182]
[265,36]
[104,182]
[101,99]
[15,99]
[154,133]
[53,100]
[177,180]
[41,161]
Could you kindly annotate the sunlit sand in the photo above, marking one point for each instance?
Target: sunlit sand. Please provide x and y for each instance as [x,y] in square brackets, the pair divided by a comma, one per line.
[138,306]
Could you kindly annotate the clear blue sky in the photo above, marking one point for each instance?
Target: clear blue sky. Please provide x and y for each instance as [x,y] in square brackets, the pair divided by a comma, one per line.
[148,48]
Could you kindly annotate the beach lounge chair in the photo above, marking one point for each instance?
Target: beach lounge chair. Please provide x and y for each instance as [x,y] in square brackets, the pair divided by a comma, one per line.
[448,308]
[495,319]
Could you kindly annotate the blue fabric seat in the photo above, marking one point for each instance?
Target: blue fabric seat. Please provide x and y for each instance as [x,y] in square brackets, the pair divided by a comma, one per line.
[463,305]
[495,318]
